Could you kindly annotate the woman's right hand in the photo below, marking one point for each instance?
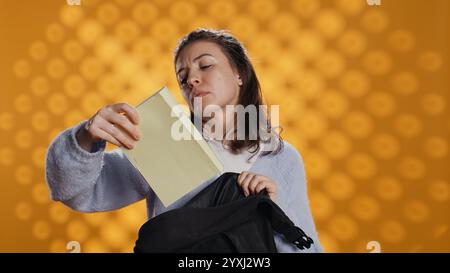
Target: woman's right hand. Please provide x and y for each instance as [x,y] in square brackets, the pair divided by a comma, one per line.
[116,124]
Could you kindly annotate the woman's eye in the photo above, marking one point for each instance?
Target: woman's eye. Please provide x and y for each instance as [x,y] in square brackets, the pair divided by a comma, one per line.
[205,66]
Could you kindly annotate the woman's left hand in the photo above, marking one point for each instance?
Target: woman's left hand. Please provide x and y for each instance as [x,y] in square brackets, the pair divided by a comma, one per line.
[252,183]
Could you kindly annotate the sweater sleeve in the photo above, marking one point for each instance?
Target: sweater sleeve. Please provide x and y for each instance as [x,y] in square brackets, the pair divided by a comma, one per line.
[91,181]
[297,204]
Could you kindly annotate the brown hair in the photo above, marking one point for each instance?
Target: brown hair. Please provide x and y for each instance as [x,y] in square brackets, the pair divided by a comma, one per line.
[250,91]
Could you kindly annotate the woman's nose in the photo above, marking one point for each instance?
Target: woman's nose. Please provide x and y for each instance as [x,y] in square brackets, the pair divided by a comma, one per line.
[194,80]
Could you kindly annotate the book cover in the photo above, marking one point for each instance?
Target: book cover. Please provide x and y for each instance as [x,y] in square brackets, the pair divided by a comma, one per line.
[172,166]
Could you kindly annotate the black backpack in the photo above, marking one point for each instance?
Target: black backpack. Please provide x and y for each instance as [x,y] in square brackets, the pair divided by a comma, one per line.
[220,219]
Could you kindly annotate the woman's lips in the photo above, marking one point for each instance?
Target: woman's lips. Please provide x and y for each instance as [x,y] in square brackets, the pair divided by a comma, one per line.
[201,94]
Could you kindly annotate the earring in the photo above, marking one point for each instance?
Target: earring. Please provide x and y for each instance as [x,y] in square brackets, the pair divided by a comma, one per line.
[240,82]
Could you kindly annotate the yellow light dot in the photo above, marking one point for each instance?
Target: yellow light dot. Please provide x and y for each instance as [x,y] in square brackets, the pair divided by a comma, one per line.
[343,228]
[24,139]
[339,186]
[317,163]
[263,45]
[350,7]
[388,188]
[365,208]
[436,147]
[375,20]
[333,104]
[392,231]
[284,24]
[309,45]
[77,230]
[182,11]
[430,61]
[133,217]
[329,22]
[416,211]
[108,49]
[6,121]
[355,83]
[305,8]
[92,102]
[95,246]
[38,51]
[71,15]
[330,63]
[74,86]
[433,104]
[222,10]
[126,67]
[412,168]
[38,156]
[41,230]
[24,174]
[23,211]
[404,83]
[310,84]
[358,124]
[113,234]
[439,190]
[72,50]
[261,9]
[108,14]
[7,156]
[40,193]
[55,33]
[73,118]
[381,104]
[144,13]
[146,49]
[22,69]
[243,27]
[336,144]
[91,68]
[321,205]
[109,86]
[57,104]
[23,104]
[352,43]
[40,121]
[90,31]
[313,124]
[384,146]
[166,30]
[361,166]
[58,213]
[39,86]
[56,68]
[408,125]
[127,31]
[401,40]
[377,62]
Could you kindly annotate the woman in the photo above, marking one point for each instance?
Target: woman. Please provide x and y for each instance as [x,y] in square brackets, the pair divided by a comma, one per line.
[211,65]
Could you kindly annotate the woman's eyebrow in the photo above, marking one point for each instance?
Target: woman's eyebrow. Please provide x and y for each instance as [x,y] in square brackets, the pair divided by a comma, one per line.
[196,58]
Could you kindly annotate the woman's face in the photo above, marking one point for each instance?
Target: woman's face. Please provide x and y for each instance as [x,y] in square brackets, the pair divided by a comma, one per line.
[203,70]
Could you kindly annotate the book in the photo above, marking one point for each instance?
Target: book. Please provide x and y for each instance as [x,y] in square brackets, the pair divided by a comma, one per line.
[172,165]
